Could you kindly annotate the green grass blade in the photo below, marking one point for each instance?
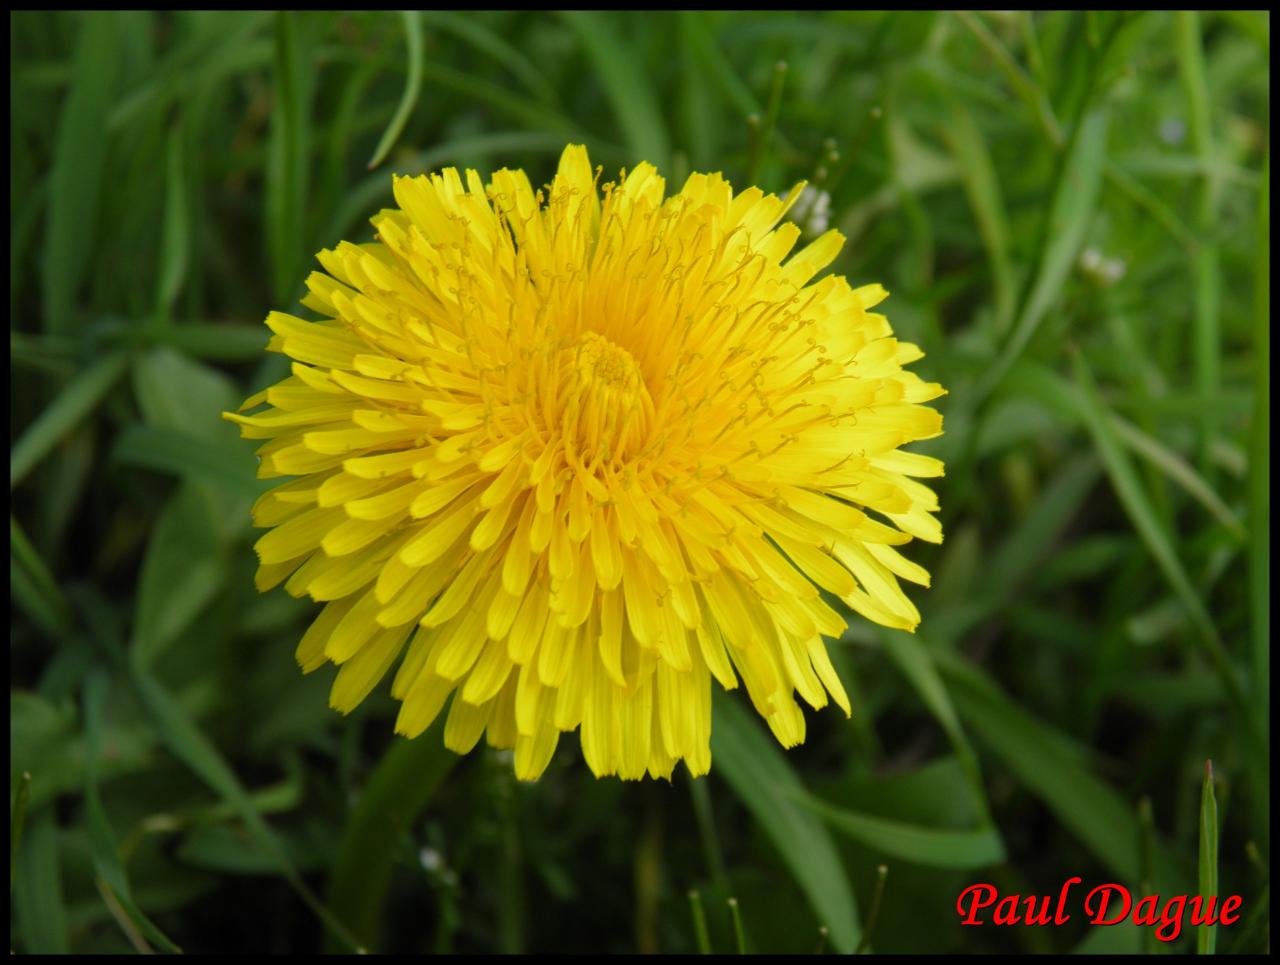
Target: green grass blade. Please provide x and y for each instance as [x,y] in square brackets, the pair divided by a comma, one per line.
[699,116]
[873,915]
[206,61]
[1143,197]
[1180,472]
[73,404]
[739,935]
[758,772]
[102,841]
[699,923]
[219,343]
[923,172]
[1190,166]
[363,200]
[626,85]
[346,121]
[1035,99]
[1260,454]
[25,219]
[1207,935]
[183,737]
[1056,770]
[1146,851]
[493,45]
[1031,541]
[933,847]
[79,160]
[520,108]
[736,93]
[41,909]
[700,798]
[225,850]
[1137,505]
[1254,933]
[1206,268]
[33,586]
[1069,400]
[183,570]
[174,238]
[187,457]
[982,186]
[287,164]
[17,821]
[763,131]
[1195,84]
[1075,197]
[1017,558]
[917,666]
[399,789]
[177,393]
[1031,44]
[1254,24]
[412,87]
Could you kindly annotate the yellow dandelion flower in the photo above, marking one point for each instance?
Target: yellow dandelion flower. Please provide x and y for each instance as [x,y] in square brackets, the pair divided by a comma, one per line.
[576,453]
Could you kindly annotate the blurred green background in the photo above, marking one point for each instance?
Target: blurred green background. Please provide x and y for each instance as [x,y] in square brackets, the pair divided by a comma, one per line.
[1071,212]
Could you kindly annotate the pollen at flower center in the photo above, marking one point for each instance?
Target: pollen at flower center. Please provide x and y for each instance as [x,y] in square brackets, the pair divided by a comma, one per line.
[605,405]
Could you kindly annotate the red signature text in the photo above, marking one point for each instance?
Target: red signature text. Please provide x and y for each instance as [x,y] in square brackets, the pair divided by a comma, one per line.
[1107,904]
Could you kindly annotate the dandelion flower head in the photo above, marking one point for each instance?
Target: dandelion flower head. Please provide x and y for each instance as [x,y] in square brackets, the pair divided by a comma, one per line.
[571,456]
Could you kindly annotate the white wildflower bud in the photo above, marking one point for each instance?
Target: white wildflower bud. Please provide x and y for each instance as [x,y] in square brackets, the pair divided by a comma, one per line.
[1173,131]
[431,859]
[1100,269]
[1112,270]
[812,211]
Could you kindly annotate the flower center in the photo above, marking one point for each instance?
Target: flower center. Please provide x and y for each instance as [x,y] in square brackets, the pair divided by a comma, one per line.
[605,405]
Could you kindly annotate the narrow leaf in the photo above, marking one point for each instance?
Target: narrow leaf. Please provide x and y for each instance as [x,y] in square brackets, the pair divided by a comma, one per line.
[935,847]
[627,85]
[917,666]
[79,156]
[224,343]
[1075,196]
[1260,453]
[184,738]
[982,186]
[412,85]
[41,909]
[174,237]
[758,772]
[1055,769]
[400,787]
[183,570]
[1207,935]
[1137,505]
[71,406]
[187,457]
[102,840]
[33,586]
[287,163]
